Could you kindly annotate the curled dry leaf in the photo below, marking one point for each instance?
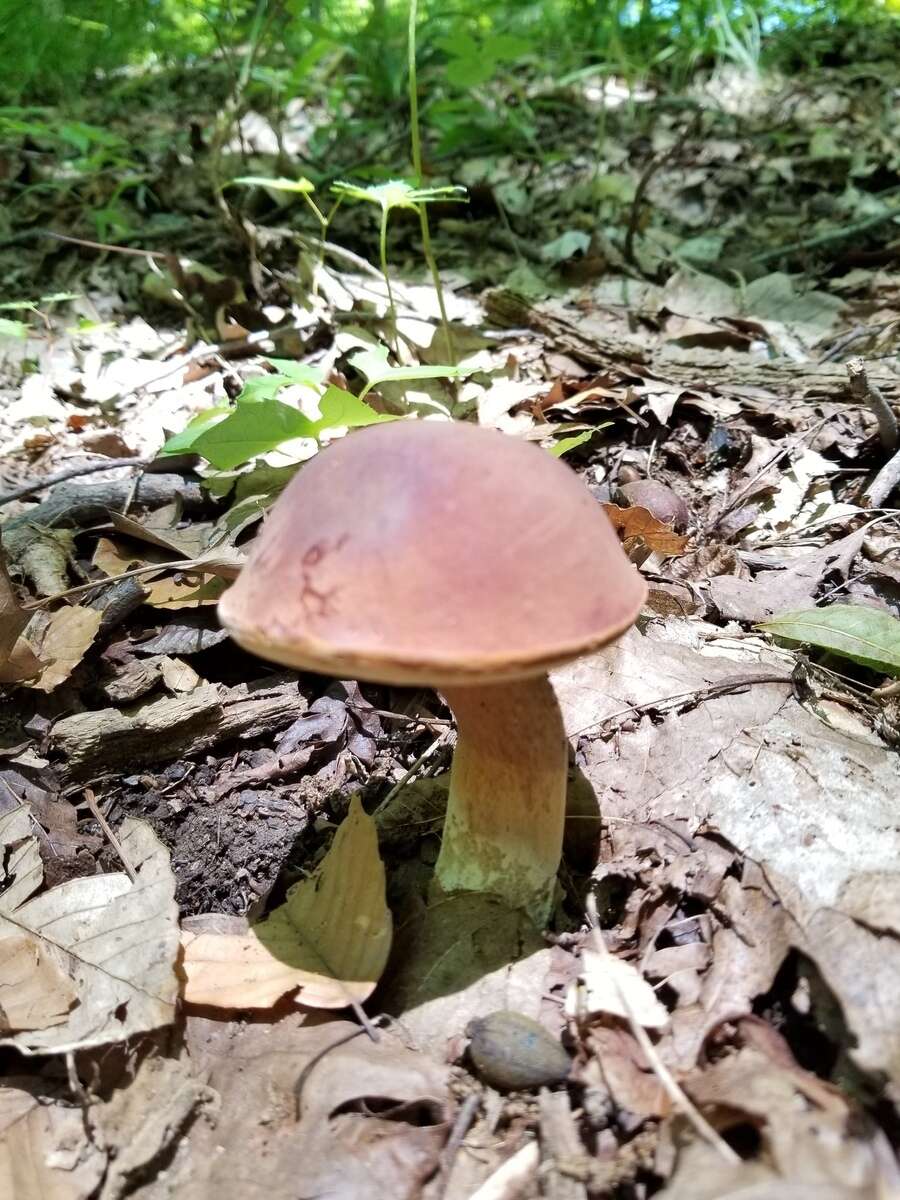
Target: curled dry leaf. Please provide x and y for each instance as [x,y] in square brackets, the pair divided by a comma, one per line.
[63,642]
[329,941]
[114,940]
[638,527]
[610,985]
[17,658]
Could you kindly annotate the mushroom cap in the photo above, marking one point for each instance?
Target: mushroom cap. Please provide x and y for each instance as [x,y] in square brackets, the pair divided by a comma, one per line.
[432,553]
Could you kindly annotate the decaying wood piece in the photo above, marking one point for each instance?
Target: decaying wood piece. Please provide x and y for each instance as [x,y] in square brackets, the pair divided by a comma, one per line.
[509,310]
[94,743]
[784,378]
[74,504]
[780,376]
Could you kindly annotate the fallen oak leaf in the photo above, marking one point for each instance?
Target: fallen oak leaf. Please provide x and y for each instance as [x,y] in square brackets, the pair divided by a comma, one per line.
[62,642]
[329,941]
[637,526]
[114,939]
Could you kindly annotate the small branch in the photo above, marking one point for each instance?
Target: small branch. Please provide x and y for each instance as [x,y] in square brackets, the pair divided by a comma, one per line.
[643,183]
[831,235]
[662,1072]
[37,485]
[868,393]
[884,483]
[91,802]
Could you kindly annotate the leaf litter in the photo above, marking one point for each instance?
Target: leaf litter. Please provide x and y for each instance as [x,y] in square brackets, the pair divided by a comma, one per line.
[731,798]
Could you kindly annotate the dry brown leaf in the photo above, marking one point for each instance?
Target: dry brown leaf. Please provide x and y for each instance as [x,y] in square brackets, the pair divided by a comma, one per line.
[182,587]
[372,1115]
[115,939]
[611,985]
[43,1151]
[17,659]
[638,526]
[63,643]
[813,1146]
[34,992]
[329,940]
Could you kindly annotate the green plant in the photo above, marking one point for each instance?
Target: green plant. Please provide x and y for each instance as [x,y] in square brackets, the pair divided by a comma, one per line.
[258,422]
[396,193]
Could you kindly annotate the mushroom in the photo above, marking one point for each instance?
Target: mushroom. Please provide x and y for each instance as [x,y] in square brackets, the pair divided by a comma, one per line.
[439,554]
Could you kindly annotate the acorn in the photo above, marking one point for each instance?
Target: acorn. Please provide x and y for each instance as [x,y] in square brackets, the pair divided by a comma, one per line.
[512,1052]
[667,506]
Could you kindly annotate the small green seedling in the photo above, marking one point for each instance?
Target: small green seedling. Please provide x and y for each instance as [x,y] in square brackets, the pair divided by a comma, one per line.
[396,193]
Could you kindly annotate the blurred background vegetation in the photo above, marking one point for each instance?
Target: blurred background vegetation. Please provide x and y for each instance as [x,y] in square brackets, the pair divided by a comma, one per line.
[55,49]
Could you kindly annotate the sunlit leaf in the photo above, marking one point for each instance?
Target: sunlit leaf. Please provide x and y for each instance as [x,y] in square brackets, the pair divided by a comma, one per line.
[864,635]
[301,185]
[13,329]
[564,445]
[339,407]
[328,942]
[250,429]
[181,443]
[397,193]
[376,368]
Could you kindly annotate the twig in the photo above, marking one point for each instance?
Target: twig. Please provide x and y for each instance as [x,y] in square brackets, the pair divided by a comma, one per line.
[788,448]
[369,1027]
[662,1072]
[401,783]
[868,393]
[461,1126]
[710,692]
[91,802]
[37,485]
[643,183]
[509,1179]
[830,235]
[884,483]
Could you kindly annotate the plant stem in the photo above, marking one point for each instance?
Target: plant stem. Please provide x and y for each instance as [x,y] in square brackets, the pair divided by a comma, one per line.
[382,246]
[416,145]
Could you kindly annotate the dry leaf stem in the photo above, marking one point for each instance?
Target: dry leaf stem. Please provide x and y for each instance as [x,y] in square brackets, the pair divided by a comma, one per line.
[662,1072]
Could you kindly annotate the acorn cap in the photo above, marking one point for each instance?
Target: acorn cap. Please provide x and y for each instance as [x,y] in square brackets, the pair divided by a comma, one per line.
[432,553]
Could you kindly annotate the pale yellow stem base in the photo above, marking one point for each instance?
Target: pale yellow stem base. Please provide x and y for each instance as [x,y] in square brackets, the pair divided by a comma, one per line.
[506,811]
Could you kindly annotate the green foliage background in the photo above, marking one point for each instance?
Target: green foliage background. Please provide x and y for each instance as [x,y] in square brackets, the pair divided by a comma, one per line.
[52,49]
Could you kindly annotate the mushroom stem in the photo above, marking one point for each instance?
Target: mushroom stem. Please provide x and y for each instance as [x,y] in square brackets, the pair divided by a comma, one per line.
[505,814]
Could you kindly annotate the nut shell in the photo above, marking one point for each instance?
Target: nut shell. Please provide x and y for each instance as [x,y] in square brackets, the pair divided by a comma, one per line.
[512,1052]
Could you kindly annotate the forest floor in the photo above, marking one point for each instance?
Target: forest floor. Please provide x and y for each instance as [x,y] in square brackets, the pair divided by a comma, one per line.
[675,299]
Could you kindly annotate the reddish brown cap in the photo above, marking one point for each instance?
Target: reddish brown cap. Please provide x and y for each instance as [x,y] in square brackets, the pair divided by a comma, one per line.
[426,552]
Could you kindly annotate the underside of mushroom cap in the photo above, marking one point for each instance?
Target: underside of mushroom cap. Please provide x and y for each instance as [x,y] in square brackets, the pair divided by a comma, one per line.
[426,552]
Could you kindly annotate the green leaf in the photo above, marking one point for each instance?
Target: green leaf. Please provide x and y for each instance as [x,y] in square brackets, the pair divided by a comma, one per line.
[374,365]
[297,372]
[267,387]
[181,443]
[864,635]
[338,407]
[252,428]
[397,193]
[470,72]
[507,47]
[13,329]
[564,445]
[301,185]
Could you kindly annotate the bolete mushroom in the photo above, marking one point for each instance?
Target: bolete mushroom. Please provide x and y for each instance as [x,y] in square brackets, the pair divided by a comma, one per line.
[445,555]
